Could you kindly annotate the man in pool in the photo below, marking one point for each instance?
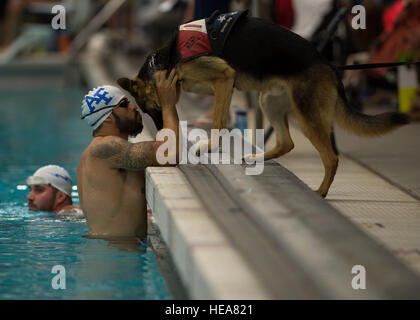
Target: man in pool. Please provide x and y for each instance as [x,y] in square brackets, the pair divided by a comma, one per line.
[110,175]
[51,191]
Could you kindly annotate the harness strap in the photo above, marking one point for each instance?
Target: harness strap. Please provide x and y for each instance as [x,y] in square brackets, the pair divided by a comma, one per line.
[376,65]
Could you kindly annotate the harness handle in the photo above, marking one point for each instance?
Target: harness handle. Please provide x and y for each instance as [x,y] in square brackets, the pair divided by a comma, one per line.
[213,16]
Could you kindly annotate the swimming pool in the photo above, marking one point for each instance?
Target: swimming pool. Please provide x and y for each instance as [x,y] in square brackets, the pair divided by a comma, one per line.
[40,126]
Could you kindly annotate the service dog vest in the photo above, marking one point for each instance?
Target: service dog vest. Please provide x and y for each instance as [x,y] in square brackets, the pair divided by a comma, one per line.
[206,36]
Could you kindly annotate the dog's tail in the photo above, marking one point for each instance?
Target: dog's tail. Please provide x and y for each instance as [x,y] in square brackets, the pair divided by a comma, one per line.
[366,125]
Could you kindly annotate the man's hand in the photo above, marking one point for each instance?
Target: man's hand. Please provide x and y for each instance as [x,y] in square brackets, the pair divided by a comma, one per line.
[166,88]
[167,93]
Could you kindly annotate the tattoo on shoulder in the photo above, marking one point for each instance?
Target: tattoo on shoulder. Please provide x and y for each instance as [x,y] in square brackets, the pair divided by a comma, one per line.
[106,150]
[123,154]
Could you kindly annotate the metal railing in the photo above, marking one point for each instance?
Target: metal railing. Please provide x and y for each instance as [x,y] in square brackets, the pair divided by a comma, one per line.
[94,25]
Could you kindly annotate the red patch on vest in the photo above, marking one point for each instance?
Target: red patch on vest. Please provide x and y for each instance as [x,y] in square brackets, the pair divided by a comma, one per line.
[193,43]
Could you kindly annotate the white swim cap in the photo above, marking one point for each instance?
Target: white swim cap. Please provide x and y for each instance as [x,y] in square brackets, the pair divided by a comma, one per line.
[98,104]
[53,175]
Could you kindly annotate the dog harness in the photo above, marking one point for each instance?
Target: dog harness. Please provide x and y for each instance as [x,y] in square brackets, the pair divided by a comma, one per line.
[206,36]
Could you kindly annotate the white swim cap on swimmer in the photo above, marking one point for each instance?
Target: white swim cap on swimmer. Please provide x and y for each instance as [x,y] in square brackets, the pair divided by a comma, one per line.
[53,175]
[98,104]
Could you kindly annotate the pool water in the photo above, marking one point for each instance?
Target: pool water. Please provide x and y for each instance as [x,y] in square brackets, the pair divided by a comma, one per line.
[40,127]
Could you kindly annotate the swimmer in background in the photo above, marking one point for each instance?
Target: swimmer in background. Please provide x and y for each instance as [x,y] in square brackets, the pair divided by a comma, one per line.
[51,188]
[110,175]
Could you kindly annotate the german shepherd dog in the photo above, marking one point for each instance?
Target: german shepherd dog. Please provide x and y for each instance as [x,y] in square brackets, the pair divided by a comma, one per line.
[263,56]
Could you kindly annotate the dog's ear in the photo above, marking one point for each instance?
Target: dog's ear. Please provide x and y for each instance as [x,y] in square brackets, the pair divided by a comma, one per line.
[125,83]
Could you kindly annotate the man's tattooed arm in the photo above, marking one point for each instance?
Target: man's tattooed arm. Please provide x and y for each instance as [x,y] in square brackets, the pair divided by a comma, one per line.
[120,153]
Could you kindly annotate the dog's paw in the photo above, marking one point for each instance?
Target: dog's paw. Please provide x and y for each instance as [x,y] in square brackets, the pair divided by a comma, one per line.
[252,157]
[322,193]
[248,156]
[202,147]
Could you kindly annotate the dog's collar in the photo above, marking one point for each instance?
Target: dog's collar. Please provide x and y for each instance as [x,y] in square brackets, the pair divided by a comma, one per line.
[152,66]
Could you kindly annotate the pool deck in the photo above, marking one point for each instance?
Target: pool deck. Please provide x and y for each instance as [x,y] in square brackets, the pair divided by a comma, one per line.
[369,218]
[213,268]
